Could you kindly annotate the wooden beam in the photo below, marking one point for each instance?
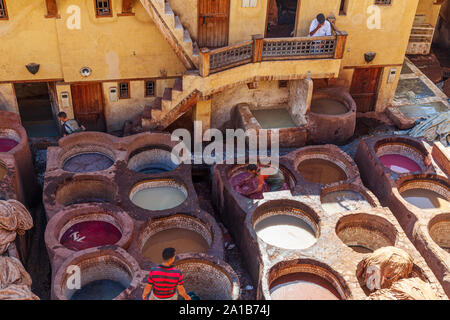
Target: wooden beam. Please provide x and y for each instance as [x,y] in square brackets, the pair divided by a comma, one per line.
[52,9]
[341,39]
[258,40]
[204,62]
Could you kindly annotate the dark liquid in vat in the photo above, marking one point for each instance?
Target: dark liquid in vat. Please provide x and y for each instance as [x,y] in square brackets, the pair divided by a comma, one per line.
[328,106]
[7,144]
[321,171]
[99,290]
[399,163]
[88,162]
[89,234]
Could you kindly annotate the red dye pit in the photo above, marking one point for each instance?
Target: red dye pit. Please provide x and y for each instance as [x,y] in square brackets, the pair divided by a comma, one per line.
[7,144]
[399,164]
[89,234]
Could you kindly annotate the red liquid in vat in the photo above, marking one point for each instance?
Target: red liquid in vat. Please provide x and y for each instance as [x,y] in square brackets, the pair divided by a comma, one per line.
[7,144]
[399,164]
[302,286]
[89,234]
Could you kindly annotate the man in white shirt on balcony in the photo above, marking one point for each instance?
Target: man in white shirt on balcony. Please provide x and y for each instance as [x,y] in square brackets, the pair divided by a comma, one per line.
[320,27]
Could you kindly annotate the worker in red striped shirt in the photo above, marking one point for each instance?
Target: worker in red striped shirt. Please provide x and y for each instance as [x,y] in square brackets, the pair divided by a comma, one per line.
[165,280]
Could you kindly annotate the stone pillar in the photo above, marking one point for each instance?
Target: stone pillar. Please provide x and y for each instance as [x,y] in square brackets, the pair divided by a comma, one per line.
[202,112]
[300,96]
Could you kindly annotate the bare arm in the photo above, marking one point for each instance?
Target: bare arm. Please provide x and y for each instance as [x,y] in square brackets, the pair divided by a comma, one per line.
[147,290]
[182,292]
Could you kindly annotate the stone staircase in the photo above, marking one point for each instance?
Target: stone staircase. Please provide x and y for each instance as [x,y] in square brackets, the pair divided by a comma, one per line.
[173,31]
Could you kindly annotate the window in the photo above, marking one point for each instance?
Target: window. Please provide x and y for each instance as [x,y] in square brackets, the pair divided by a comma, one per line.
[124,90]
[103,8]
[3,12]
[383,2]
[150,88]
[343,7]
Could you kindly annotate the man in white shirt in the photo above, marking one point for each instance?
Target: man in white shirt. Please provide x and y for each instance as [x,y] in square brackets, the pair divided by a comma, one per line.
[320,27]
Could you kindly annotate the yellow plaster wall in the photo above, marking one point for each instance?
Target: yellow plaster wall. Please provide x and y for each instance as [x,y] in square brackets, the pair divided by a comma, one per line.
[126,109]
[431,11]
[187,10]
[114,47]
[245,22]
[28,37]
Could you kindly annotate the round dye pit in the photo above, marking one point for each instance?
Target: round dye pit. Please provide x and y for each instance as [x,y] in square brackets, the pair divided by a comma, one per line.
[286,231]
[209,281]
[400,155]
[185,234]
[103,276]
[302,286]
[425,199]
[321,171]
[89,234]
[439,230]
[83,191]
[88,162]
[158,195]
[184,241]
[344,200]
[328,106]
[151,161]
[7,144]
[399,163]
[365,233]
[287,225]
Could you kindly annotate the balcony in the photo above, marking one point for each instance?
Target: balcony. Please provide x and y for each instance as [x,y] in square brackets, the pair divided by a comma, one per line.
[261,49]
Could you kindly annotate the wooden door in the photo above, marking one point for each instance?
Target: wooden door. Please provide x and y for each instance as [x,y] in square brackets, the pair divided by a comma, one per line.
[87,101]
[213,19]
[364,88]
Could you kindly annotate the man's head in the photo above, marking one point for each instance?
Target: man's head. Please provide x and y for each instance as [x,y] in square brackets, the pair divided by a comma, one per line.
[168,255]
[321,18]
[62,116]
[252,168]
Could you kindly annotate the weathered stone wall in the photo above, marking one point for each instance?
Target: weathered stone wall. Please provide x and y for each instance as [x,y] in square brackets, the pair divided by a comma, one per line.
[300,95]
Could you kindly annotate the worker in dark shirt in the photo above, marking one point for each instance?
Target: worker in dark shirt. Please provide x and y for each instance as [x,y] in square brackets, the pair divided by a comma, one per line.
[69,125]
[165,280]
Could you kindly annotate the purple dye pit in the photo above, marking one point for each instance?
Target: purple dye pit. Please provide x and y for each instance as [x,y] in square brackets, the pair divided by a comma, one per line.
[88,162]
[7,144]
[89,234]
[399,163]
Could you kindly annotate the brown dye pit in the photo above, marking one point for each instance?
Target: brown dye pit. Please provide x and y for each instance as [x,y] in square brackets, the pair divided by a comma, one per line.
[302,286]
[88,162]
[425,199]
[286,231]
[183,240]
[274,118]
[321,171]
[345,200]
[3,172]
[440,233]
[328,106]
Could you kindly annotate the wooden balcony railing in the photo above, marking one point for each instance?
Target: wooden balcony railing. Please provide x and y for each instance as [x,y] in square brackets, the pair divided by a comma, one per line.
[269,49]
